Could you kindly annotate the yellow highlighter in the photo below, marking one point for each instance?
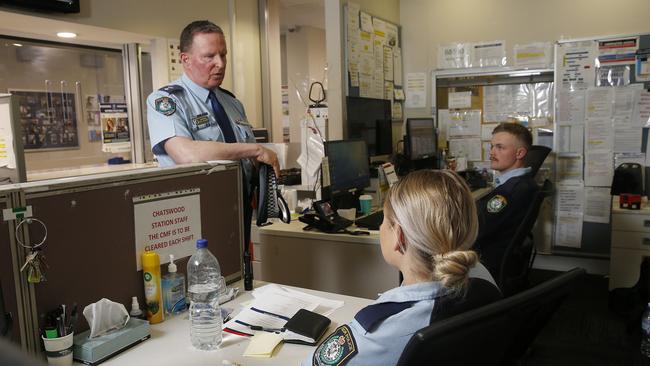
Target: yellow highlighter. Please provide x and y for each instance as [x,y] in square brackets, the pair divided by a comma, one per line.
[152,288]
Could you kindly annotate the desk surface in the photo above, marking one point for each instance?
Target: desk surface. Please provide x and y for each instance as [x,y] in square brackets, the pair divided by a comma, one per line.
[170,340]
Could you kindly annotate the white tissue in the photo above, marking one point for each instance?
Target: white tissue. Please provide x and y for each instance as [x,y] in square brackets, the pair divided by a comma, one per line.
[104,316]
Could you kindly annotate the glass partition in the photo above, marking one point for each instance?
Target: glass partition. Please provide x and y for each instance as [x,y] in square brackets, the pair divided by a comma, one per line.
[70,101]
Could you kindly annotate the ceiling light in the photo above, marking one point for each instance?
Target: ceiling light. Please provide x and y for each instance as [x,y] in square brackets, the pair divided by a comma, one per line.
[17,44]
[66,34]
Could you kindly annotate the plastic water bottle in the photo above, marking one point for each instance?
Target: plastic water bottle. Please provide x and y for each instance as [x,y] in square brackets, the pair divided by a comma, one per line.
[645,332]
[205,285]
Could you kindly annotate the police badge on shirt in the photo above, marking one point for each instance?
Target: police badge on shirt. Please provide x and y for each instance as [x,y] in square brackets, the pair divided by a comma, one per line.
[337,349]
[165,105]
[496,204]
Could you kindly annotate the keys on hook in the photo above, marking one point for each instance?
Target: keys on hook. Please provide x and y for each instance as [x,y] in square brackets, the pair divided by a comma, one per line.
[34,263]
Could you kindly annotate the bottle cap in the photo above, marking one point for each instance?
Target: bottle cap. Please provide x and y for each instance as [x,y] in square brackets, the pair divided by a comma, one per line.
[201,243]
[171,268]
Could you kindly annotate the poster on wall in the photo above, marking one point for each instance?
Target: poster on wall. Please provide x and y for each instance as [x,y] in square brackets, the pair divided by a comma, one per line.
[93,119]
[167,223]
[47,120]
[115,127]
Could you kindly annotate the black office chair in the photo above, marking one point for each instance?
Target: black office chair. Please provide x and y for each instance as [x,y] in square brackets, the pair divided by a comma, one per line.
[494,334]
[6,321]
[535,158]
[479,293]
[520,253]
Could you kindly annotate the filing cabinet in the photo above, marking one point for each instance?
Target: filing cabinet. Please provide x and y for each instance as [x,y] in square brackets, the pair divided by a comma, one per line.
[630,244]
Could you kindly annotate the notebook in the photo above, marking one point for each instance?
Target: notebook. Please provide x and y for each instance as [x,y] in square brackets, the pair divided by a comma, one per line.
[305,327]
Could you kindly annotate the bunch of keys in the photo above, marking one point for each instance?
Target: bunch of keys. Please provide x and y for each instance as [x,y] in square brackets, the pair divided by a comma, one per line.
[34,262]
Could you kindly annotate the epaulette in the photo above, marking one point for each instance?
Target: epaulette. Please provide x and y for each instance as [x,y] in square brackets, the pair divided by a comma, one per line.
[172,88]
[227,92]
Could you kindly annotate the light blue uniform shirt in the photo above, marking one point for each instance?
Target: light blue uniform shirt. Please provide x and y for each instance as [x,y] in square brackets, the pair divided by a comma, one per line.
[191,115]
[384,344]
[510,174]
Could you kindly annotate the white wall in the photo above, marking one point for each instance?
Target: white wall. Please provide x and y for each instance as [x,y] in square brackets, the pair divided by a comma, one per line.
[426,24]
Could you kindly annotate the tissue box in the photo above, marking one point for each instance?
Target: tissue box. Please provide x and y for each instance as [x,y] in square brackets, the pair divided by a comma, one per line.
[97,350]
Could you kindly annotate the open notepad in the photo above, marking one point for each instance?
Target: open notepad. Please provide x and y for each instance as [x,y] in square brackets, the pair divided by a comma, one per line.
[273,310]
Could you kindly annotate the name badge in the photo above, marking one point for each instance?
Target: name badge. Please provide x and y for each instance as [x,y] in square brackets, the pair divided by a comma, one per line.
[201,120]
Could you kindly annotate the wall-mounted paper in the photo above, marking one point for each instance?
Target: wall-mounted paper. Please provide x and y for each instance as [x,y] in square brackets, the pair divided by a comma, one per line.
[416,90]
[598,203]
[459,100]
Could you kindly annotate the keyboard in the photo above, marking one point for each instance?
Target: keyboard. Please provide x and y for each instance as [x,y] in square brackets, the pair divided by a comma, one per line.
[372,221]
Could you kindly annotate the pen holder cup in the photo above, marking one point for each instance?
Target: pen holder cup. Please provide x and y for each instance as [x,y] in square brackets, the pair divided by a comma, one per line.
[59,350]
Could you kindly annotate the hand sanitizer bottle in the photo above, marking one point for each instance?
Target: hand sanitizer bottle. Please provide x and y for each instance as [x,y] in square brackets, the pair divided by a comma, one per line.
[173,285]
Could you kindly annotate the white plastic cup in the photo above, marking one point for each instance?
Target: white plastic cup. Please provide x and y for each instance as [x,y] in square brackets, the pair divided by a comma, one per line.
[59,350]
[349,213]
[365,201]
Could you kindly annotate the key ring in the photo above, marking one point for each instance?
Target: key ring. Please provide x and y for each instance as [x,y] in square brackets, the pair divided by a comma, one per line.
[29,220]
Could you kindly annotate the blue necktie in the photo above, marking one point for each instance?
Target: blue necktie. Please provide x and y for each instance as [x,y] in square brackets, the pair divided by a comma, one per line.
[222,119]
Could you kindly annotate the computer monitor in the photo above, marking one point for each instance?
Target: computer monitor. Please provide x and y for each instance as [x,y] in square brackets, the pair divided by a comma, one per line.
[420,140]
[370,120]
[349,171]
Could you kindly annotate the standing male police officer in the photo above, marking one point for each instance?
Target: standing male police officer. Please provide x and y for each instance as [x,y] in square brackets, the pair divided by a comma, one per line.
[502,210]
[194,120]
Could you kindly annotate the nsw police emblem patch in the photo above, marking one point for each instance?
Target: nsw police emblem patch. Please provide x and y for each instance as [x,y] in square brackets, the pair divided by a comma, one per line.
[337,349]
[165,105]
[496,204]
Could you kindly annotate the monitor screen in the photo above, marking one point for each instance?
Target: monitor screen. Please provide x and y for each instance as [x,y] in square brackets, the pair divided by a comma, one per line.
[421,138]
[348,165]
[370,120]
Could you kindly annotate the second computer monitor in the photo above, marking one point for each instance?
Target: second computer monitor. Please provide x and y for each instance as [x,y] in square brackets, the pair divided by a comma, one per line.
[420,138]
[348,164]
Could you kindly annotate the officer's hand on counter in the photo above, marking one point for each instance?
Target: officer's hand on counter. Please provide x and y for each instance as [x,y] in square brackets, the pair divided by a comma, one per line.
[269,157]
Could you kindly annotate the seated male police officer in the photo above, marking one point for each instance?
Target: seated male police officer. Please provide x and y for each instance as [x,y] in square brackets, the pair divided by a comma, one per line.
[194,120]
[502,210]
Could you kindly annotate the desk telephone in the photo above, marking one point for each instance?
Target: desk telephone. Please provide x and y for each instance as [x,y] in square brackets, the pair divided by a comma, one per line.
[325,218]
[270,201]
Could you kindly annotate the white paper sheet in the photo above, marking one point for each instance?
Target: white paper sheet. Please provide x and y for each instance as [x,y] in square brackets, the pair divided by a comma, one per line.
[458,100]
[488,54]
[444,120]
[568,230]
[599,103]
[570,196]
[454,56]
[576,65]
[598,203]
[643,108]
[620,158]
[599,168]
[599,134]
[569,167]
[365,85]
[416,90]
[388,63]
[469,148]
[486,131]
[537,54]
[397,66]
[571,106]
[570,138]
[464,124]
[366,22]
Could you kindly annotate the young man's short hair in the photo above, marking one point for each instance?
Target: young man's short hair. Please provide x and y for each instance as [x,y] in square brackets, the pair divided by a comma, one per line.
[198,26]
[520,132]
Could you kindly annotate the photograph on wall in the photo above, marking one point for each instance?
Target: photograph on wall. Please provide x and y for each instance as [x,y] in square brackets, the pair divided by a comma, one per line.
[47,120]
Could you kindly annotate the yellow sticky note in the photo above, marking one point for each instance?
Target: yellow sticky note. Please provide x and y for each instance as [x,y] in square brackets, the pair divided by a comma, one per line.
[262,344]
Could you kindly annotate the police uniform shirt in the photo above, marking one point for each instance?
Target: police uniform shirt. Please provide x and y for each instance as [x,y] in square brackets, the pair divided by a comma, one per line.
[183,109]
[380,331]
[500,212]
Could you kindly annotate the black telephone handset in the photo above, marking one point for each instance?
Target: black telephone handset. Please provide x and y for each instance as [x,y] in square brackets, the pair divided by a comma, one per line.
[270,202]
[325,218]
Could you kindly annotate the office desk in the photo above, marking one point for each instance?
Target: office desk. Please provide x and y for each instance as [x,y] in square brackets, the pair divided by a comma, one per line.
[170,340]
[340,263]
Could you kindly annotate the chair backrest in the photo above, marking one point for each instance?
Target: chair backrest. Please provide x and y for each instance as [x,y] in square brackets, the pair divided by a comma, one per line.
[492,333]
[479,293]
[5,318]
[516,261]
[535,157]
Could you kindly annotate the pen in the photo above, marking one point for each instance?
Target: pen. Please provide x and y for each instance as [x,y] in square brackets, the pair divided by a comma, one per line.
[73,318]
[270,313]
[259,327]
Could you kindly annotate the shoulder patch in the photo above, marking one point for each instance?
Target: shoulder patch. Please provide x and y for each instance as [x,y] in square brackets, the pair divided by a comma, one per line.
[337,349]
[172,88]
[228,92]
[165,105]
[496,204]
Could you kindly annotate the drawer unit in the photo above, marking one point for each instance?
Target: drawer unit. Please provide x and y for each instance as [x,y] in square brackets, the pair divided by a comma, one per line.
[630,244]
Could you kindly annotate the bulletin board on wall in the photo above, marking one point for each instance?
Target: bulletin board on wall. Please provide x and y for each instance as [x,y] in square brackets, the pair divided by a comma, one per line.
[373,56]
[469,105]
[602,119]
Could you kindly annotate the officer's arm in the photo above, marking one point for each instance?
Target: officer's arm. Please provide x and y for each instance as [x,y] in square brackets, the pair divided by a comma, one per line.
[184,150]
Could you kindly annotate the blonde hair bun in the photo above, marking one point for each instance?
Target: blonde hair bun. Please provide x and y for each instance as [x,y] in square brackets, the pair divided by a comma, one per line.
[452,268]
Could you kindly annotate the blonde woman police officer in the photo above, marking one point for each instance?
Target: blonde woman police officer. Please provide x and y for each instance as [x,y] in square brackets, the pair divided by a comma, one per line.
[429,227]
